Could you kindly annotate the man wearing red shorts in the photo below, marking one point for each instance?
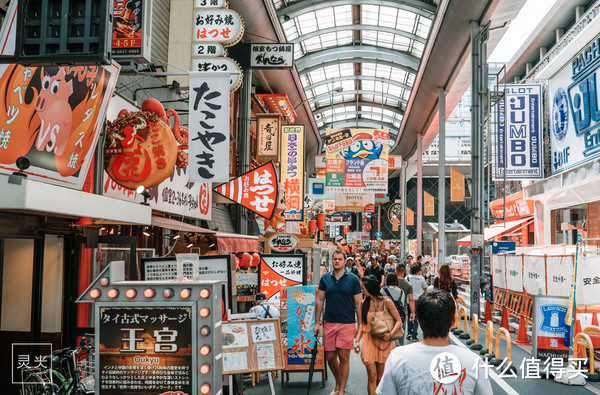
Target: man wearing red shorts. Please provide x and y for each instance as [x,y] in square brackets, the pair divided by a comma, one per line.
[343,293]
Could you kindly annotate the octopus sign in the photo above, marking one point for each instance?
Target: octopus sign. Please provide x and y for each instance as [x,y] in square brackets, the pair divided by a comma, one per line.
[53,115]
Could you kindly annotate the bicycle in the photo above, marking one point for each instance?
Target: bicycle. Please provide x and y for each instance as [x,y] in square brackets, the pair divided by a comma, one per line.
[71,373]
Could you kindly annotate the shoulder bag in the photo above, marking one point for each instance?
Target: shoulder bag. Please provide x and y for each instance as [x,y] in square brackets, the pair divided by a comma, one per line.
[383,323]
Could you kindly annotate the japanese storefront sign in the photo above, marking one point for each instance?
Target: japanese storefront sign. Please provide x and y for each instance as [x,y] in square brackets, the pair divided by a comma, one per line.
[394,162]
[216,64]
[209,127]
[220,25]
[256,190]
[301,302]
[212,49]
[356,160]
[429,206]
[457,186]
[209,3]
[549,327]
[516,207]
[355,202]
[272,55]
[145,349]
[575,93]
[53,115]
[283,242]
[268,130]
[192,267]
[328,205]
[276,271]
[175,195]
[519,141]
[132,24]
[292,171]
[320,162]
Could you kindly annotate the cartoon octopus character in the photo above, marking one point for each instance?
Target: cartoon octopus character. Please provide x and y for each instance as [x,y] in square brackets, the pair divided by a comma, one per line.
[363,147]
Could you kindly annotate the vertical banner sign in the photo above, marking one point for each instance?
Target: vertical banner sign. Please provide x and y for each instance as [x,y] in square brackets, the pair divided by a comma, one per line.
[267,127]
[574,92]
[276,271]
[301,302]
[256,190]
[429,204]
[131,26]
[410,217]
[53,115]
[521,134]
[457,186]
[356,160]
[135,340]
[292,171]
[209,127]
[549,327]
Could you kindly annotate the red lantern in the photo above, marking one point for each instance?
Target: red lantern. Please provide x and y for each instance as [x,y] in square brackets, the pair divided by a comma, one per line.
[321,222]
[255,259]
[346,229]
[246,260]
[312,227]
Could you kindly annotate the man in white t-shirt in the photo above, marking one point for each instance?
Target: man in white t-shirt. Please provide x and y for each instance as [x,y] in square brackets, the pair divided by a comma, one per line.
[419,287]
[425,367]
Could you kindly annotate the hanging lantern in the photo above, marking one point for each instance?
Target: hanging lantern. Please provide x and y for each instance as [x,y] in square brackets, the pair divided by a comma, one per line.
[321,222]
[255,259]
[312,226]
[246,260]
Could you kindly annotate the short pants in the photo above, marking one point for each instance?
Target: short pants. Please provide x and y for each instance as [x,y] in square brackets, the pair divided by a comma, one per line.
[337,335]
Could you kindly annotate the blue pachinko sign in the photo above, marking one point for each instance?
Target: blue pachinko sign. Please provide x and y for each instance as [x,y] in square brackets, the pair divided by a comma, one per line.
[519,148]
[574,92]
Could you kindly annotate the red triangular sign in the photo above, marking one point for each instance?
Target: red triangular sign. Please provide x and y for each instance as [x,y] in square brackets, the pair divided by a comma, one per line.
[255,190]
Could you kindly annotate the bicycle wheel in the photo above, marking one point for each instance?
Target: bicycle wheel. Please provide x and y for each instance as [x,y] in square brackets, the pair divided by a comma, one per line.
[35,385]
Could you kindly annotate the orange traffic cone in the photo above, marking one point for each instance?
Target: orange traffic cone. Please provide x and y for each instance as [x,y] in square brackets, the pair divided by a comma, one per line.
[488,311]
[581,348]
[522,335]
[594,319]
[504,320]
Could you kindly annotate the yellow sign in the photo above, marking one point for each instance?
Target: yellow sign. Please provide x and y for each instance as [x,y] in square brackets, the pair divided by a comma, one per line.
[429,204]
[457,185]
[410,217]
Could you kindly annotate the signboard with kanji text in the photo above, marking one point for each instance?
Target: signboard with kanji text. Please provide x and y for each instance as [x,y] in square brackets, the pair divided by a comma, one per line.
[276,271]
[292,171]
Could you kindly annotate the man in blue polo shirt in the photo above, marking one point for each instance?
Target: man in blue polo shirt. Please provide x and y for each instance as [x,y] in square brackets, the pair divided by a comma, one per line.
[343,293]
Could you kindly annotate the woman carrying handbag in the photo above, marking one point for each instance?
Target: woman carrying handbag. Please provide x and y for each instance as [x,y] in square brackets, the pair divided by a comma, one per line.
[376,349]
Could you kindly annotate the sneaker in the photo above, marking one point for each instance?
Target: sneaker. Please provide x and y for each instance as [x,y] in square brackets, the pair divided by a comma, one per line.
[414,338]
[408,337]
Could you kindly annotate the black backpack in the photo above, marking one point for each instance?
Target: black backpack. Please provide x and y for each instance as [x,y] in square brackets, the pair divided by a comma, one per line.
[400,303]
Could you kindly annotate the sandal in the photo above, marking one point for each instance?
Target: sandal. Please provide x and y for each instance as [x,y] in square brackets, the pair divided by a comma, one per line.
[334,392]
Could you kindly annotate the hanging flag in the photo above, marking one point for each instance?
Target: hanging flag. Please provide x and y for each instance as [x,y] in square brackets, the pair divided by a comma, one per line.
[209,127]
[292,171]
[457,186]
[394,224]
[410,217]
[429,204]
[255,190]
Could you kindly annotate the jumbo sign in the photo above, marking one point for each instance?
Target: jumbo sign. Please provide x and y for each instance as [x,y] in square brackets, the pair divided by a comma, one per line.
[575,118]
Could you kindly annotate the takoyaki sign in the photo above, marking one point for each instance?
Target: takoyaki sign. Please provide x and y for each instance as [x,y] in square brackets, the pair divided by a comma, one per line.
[356,160]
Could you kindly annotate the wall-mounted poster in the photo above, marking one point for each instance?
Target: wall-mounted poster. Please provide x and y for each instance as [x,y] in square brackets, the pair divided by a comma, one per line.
[53,116]
[356,160]
[276,271]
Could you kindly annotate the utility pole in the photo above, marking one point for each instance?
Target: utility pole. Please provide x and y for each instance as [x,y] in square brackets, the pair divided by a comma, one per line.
[442,177]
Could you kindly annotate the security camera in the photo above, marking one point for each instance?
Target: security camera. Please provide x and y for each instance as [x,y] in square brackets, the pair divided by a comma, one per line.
[286,18]
[23,163]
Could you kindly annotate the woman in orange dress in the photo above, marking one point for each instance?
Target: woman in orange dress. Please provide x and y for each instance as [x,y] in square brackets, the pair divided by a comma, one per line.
[374,351]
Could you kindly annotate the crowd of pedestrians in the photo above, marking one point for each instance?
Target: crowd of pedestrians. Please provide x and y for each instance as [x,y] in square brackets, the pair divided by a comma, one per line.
[352,294]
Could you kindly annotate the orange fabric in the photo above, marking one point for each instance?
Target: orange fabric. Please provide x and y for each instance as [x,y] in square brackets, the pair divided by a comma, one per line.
[369,352]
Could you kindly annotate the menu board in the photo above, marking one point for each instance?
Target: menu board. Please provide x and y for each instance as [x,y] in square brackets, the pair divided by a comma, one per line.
[252,346]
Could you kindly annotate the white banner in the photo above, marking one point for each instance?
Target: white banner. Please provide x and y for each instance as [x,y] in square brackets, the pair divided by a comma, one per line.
[514,273]
[534,274]
[588,281]
[209,127]
[559,271]
[499,273]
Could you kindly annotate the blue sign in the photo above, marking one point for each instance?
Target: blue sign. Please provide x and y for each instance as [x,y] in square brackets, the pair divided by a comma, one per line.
[503,247]
[301,302]
[318,188]
[378,234]
[519,150]
[553,318]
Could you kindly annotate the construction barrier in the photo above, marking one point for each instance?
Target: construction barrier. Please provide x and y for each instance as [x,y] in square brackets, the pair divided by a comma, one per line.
[584,340]
[462,312]
[474,343]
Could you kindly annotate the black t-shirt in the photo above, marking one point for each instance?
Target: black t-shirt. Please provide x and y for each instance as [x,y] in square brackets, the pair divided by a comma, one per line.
[378,272]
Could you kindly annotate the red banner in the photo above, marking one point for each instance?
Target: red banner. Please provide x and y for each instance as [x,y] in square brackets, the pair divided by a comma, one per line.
[255,190]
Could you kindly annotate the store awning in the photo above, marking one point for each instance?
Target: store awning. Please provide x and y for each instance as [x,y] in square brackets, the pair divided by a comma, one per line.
[179,226]
[497,230]
[230,242]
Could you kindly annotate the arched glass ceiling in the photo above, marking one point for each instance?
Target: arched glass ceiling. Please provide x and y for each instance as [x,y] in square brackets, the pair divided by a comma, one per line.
[357,59]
